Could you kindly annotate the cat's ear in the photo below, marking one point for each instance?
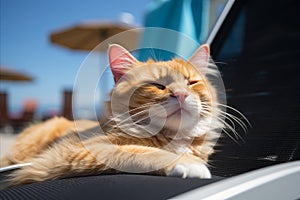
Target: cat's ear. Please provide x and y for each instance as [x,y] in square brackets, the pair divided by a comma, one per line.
[200,58]
[120,60]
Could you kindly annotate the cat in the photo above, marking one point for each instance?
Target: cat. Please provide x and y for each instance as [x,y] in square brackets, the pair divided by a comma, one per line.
[162,118]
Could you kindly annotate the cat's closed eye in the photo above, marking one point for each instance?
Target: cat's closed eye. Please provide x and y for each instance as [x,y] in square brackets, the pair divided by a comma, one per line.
[191,82]
[159,86]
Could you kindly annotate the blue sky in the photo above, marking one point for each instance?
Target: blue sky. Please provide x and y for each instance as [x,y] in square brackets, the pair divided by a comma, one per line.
[25,46]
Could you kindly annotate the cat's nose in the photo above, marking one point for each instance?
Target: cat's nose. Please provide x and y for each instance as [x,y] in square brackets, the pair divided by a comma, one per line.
[181,96]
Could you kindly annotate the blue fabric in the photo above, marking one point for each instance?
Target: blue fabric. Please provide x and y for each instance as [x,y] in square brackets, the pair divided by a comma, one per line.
[188,17]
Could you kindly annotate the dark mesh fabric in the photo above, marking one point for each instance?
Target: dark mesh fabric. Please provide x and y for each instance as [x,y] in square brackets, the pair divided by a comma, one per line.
[124,186]
[261,78]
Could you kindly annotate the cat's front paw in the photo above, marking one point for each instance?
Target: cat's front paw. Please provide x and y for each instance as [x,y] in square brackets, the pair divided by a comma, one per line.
[190,171]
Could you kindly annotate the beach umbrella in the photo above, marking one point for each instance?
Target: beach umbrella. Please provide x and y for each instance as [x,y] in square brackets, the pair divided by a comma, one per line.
[86,36]
[10,75]
[7,74]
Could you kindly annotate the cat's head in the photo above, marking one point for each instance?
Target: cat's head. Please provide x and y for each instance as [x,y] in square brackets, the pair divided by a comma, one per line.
[173,97]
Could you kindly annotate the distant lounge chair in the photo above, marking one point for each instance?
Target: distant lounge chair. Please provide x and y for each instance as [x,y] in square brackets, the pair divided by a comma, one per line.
[3,109]
[25,117]
[67,104]
[66,107]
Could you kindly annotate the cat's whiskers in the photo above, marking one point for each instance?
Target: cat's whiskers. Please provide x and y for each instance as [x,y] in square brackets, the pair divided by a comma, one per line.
[217,62]
[121,124]
[236,119]
[125,113]
[147,117]
[124,125]
[140,127]
[235,110]
[221,114]
[229,116]
[236,135]
[227,133]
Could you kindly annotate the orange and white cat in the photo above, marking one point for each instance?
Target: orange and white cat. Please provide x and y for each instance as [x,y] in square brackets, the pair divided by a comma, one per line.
[162,118]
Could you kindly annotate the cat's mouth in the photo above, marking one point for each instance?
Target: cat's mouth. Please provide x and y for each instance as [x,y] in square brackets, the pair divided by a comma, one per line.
[174,111]
[178,112]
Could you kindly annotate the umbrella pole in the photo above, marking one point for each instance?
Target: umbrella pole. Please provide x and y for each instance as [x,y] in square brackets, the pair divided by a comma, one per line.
[67,104]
